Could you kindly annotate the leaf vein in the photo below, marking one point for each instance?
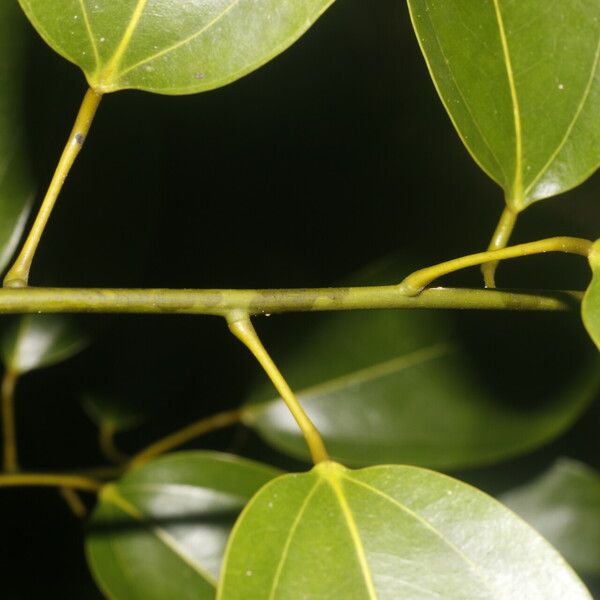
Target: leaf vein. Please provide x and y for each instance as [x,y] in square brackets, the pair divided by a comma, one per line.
[290,536]
[573,122]
[117,500]
[517,191]
[88,27]
[472,564]
[355,535]
[183,42]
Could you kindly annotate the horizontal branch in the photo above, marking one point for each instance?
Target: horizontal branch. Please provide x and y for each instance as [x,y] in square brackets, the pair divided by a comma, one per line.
[256,302]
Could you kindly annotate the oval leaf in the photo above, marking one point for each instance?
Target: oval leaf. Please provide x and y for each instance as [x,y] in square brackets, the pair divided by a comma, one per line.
[16,187]
[169,46]
[563,504]
[402,387]
[386,533]
[160,531]
[36,341]
[590,307]
[520,82]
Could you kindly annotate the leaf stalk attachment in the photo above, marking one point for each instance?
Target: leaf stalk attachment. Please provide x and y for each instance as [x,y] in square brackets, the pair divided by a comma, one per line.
[18,275]
[241,326]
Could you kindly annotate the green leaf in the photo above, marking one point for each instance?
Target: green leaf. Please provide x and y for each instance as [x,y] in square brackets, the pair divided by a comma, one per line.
[563,504]
[160,531]
[520,81]
[405,387]
[113,412]
[16,187]
[590,307]
[35,341]
[169,46]
[387,532]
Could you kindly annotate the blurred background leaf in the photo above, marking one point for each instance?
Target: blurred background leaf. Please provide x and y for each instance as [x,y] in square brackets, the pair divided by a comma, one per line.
[405,387]
[160,531]
[32,342]
[563,504]
[16,182]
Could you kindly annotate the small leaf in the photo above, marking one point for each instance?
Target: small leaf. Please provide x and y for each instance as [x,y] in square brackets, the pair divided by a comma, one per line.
[386,533]
[169,46]
[35,341]
[404,387]
[160,531]
[113,412]
[563,504]
[590,307]
[520,82]
[16,186]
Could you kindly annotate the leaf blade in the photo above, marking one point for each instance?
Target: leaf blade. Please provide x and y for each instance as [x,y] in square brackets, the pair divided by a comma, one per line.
[171,47]
[590,307]
[563,504]
[170,516]
[406,527]
[529,126]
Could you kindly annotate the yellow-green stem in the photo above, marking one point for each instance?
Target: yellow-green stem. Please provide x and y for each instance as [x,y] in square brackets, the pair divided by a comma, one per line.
[258,302]
[201,427]
[75,482]
[18,275]
[241,326]
[9,430]
[420,279]
[106,441]
[500,240]
[74,502]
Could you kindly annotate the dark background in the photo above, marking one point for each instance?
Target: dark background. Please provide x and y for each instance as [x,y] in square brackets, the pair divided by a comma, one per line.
[331,156]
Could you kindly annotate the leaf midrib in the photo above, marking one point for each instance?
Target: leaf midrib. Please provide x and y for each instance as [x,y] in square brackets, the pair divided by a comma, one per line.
[517,186]
[117,500]
[473,566]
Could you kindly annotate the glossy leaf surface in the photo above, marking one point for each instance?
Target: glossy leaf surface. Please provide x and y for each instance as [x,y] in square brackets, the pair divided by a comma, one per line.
[563,504]
[590,307]
[521,83]
[386,533]
[404,387]
[35,341]
[16,187]
[160,531]
[169,46]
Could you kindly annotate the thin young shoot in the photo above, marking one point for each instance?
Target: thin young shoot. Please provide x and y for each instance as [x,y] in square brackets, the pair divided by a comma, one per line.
[9,430]
[417,281]
[187,434]
[241,326]
[73,482]
[18,275]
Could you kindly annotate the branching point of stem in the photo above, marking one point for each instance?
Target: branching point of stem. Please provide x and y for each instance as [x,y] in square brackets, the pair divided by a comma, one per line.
[417,281]
[241,326]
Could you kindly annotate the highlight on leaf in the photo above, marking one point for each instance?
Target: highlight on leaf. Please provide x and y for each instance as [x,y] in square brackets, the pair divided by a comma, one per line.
[386,533]
[168,46]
